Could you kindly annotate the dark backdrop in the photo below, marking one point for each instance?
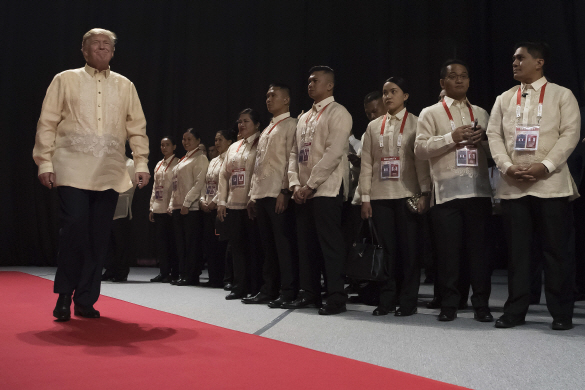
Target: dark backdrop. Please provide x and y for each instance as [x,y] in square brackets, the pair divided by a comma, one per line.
[198,63]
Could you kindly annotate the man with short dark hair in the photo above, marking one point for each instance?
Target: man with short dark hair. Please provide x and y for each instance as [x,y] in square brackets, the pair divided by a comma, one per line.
[373,105]
[319,176]
[533,129]
[450,135]
[87,116]
[269,202]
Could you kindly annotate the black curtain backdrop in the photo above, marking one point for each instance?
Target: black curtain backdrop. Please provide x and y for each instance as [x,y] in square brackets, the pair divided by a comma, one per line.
[198,63]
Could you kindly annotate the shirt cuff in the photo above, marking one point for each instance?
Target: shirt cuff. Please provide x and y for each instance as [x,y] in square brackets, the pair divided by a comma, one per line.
[142,167]
[449,138]
[221,203]
[187,204]
[365,198]
[505,167]
[293,184]
[425,188]
[311,184]
[550,166]
[45,167]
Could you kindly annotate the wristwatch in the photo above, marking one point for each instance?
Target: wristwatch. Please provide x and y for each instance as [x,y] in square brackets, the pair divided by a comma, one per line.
[285,191]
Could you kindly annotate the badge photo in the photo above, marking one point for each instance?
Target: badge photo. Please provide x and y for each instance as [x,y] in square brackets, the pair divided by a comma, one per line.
[234,180]
[394,170]
[531,141]
[241,179]
[472,157]
[158,193]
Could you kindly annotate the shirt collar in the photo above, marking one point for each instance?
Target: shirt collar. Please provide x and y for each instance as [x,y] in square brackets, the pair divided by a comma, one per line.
[319,106]
[280,117]
[92,71]
[451,101]
[168,160]
[398,116]
[252,138]
[536,85]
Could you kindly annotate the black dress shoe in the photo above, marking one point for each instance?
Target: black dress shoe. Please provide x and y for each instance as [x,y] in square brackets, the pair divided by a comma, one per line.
[380,311]
[234,295]
[562,324]
[329,310]
[227,287]
[62,311]
[447,314]
[405,312]
[434,304]
[483,314]
[259,298]
[119,279]
[278,302]
[302,302]
[158,278]
[167,279]
[85,311]
[188,282]
[507,322]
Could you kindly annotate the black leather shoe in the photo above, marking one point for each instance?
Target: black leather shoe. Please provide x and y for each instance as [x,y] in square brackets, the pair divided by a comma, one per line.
[447,314]
[279,302]
[562,324]
[380,311]
[405,312]
[158,278]
[259,298]
[62,311]
[483,314]
[85,311]
[434,304]
[227,287]
[507,322]
[329,310]
[234,295]
[167,279]
[119,279]
[302,302]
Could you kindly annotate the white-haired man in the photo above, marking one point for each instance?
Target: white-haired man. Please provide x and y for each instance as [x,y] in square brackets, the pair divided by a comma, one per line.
[86,118]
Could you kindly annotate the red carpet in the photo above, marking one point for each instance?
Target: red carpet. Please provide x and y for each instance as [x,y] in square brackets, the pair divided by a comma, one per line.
[133,347]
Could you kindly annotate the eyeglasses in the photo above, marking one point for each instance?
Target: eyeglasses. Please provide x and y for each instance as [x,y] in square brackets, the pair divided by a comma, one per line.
[454,77]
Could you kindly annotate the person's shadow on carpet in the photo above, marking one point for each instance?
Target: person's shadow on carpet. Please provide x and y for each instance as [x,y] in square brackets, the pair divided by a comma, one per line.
[107,336]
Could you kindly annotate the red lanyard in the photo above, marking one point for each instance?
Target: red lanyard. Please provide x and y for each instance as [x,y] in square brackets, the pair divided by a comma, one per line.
[254,144]
[318,116]
[451,116]
[187,156]
[168,165]
[384,126]
[270,131]
[540,101]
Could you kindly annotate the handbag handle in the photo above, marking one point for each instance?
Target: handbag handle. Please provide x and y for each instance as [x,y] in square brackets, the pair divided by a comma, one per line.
[373,232]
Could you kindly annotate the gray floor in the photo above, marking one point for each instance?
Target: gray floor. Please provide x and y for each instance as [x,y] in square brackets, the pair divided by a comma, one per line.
[462,352]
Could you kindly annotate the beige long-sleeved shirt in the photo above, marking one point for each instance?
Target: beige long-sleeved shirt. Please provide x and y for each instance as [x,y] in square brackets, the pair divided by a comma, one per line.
[434,142]
[86,118]
[189,175]
[240,159]
[558,136]
[124,205]
[271,167]
[163,182]
[327,166]
[414,175]
[210,190]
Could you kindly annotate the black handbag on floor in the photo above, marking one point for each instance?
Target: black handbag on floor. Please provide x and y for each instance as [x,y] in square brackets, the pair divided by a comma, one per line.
[365,260]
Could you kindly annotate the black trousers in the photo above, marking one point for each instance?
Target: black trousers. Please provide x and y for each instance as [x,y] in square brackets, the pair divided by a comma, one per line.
[86,221]
[166,251]
[277,233]
[118,259]
[320,241]
[214,249]
[459,227]
[188,237]
[397,230]
[246,252]
[529,217]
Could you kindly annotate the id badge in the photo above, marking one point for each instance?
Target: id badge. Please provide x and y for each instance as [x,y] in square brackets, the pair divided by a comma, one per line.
[239,177]
[467,156]
[304,153]
[211,188]
[158,193]
[175,183]
[390,168]
[527,138]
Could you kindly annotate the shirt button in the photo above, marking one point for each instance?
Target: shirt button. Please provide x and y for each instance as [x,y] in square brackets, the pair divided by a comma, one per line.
[99,81]
[99,119]
[99,105]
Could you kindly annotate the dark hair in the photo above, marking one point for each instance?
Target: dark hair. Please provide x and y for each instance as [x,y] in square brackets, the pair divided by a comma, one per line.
[536,49]
[193,133]
[372,96]
[230,135]
[402,84]
[281,86]
[324,69]
[452,61]
[170,138]
[253,115]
